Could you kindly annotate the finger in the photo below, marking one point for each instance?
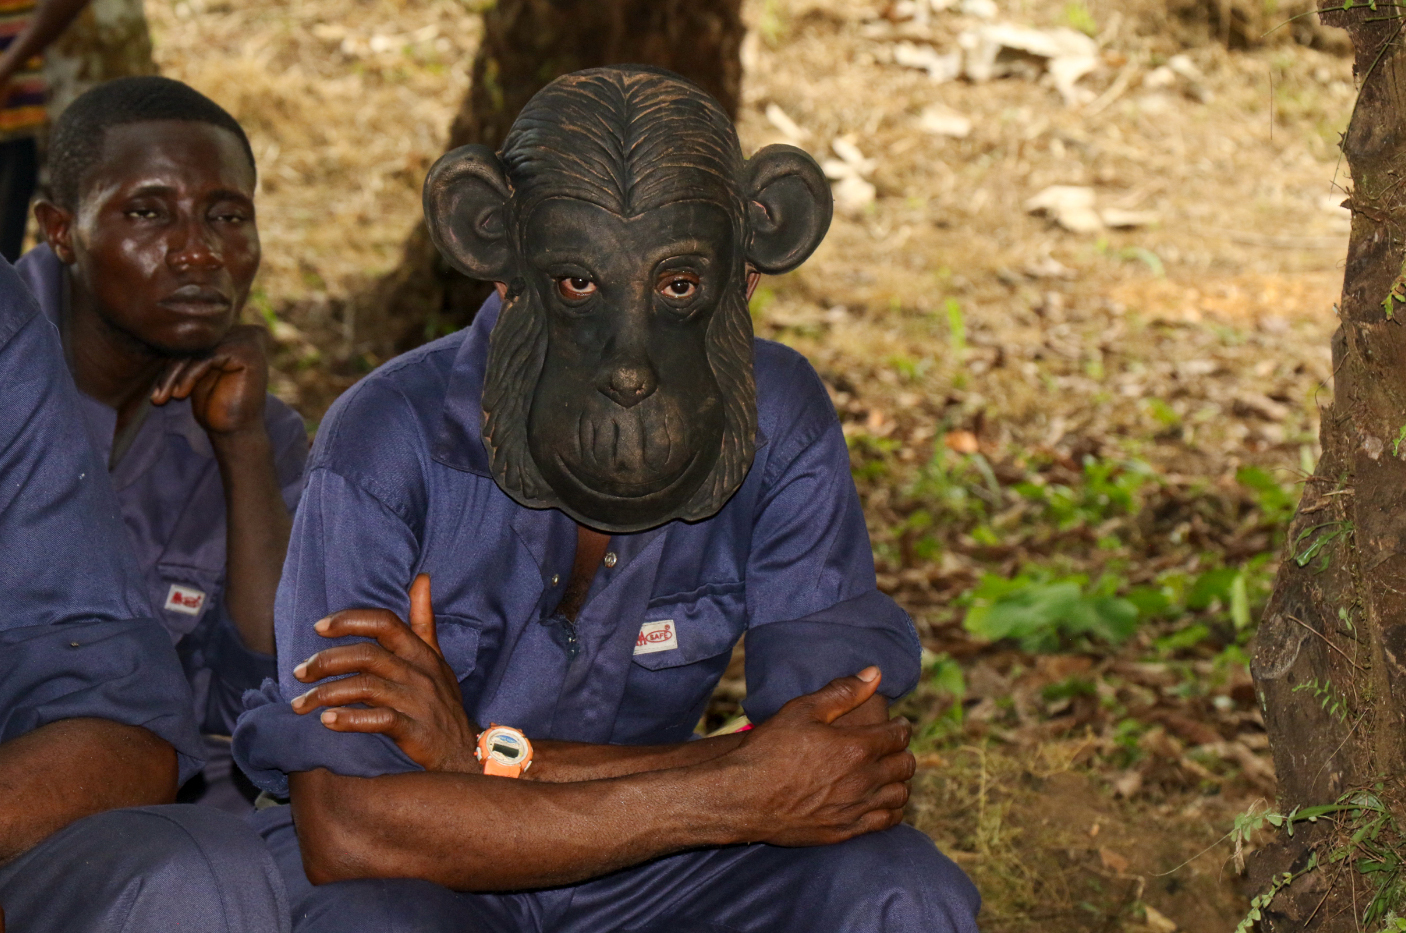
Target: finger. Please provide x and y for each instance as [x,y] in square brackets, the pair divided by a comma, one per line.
[890,797]
[362,688]
[895,769]
[422,613]
[876,821]
[380,624]
[843,694]
[364,658]
[384,721]
[161,392]
[885,738]
[190,377]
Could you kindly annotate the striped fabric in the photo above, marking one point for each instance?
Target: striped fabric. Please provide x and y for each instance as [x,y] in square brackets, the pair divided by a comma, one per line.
[22,114]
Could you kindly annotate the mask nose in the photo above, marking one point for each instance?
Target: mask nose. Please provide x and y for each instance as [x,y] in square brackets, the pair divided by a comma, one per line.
[628,384]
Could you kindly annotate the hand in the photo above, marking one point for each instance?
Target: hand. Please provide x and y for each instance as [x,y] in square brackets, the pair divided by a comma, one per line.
[413,693]
[869,713]
[227,388]
[811,782]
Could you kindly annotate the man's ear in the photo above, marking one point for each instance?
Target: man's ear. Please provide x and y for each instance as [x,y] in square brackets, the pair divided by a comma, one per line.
[789,207]
[466,200]
[56,228]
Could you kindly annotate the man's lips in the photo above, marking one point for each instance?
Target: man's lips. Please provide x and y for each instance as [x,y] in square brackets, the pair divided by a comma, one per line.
[195,299]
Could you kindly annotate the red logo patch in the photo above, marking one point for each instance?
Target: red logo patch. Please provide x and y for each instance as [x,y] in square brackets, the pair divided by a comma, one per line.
[657,636]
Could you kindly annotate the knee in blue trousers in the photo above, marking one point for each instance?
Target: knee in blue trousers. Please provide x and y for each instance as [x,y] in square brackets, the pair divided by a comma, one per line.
[891,882]
[179,867]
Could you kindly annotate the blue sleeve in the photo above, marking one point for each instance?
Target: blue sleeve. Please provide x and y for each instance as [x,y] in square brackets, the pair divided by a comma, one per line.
[813,605]
[322,575]
[77,638]
[236,668]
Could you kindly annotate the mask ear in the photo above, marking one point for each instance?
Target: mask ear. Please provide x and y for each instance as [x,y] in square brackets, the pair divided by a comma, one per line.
[466,199]
[789,207]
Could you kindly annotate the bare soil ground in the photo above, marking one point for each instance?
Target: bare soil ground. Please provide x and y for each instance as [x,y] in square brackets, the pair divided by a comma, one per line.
[1113,419]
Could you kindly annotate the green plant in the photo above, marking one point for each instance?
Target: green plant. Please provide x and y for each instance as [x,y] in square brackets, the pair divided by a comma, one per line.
[1332,704]
[1276,502]
[1164,414]
[762,299]
[951,484]
[1226,585]
[1077,15]
[1314,539]
[1367,840]
[1043,614]
[869,455]
[1109,488]
[956,328]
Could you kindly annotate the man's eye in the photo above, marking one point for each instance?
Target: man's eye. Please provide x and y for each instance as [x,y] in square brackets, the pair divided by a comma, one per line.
[679,287]
[574,288]
[143,213]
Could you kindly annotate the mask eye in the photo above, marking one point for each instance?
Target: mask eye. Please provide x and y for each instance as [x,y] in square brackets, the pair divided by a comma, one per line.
[678,286]
[575,288]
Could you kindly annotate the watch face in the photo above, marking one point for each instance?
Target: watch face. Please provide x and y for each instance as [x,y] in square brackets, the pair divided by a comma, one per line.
[505,747]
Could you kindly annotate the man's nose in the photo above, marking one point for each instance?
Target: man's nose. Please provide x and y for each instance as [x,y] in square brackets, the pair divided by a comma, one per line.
[192,246]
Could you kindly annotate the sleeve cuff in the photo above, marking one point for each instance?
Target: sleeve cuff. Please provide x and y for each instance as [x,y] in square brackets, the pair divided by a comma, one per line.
[124,671]
[271,742]
[236,668]
[789,659]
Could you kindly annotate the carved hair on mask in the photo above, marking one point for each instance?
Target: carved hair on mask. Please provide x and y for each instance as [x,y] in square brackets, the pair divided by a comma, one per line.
[623,219]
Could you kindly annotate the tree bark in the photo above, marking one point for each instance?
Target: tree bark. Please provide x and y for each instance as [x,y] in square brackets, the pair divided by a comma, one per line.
[109,39]
[1330,656]
[526,44]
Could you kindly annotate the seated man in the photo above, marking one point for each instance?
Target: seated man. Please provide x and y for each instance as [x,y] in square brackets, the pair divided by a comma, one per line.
[94,711]
[608,482]
[151,247]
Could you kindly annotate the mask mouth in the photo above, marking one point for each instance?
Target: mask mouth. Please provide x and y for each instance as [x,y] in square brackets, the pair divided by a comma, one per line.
[611,487]
[631,452]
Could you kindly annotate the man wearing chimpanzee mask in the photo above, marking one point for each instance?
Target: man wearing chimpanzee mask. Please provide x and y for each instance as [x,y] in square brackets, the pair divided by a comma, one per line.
[609,482]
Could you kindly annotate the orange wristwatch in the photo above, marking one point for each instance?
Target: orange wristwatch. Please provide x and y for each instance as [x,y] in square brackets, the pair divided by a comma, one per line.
[504,751]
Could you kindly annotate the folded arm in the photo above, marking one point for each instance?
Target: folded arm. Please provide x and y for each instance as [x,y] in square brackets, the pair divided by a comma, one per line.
[798,779]
[403,688]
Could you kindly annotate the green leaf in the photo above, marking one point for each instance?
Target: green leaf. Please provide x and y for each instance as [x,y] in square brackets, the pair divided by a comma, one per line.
[1210,586]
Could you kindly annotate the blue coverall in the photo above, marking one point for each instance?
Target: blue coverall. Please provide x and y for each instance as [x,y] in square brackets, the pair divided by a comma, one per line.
[77,640]
[172,500]
[398,485]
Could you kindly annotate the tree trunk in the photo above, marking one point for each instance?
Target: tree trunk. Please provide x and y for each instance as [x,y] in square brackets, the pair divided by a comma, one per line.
[109,39]
[526,44]
[1330,656]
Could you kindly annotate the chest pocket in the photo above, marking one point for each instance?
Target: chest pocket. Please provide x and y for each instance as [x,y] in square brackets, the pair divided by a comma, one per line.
[458,639]
[676,666]
[184,596]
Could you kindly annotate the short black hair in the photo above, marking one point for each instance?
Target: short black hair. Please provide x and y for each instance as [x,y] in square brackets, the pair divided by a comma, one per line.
[76,142]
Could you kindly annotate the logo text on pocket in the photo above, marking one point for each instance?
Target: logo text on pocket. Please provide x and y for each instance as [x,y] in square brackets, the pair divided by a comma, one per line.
[185,599]
[657,636]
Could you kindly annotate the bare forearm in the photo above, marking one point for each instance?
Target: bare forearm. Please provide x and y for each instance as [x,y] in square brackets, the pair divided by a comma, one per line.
[256,536]
[73,768]
[475,833]
[51,18]
[574,761]
[559,762]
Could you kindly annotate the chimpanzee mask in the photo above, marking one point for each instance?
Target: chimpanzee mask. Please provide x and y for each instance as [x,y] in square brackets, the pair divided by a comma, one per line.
[623,219]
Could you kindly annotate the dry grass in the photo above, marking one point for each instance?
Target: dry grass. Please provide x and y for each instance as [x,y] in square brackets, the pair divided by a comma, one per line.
[346,103]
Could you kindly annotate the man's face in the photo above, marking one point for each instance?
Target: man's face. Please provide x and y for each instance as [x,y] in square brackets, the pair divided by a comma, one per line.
[627,417]
[164,237]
